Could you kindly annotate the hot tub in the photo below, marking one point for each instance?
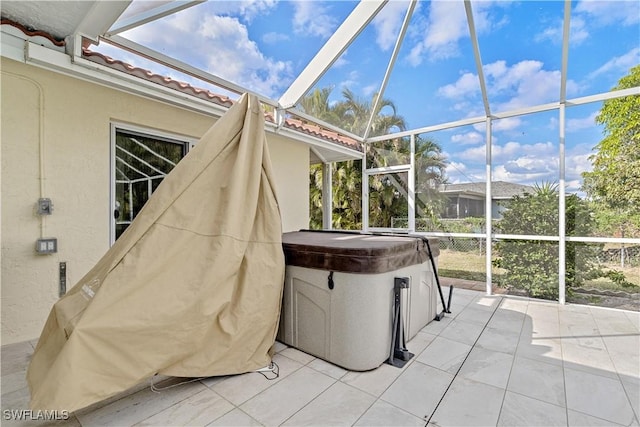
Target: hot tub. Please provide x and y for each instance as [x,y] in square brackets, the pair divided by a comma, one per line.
[338,301]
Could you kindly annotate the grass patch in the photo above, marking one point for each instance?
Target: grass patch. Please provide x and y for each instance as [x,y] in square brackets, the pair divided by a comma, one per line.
[471,266]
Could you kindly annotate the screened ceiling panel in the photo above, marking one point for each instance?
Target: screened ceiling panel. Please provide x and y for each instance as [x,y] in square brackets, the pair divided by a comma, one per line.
[261,46]
[345,95]
[604,44]
[435,79]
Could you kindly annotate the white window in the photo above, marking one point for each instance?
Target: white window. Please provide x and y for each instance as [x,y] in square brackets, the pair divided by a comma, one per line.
[140,159]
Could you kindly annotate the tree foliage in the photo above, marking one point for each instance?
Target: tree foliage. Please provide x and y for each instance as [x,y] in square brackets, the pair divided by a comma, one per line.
[615,178]
[533,265]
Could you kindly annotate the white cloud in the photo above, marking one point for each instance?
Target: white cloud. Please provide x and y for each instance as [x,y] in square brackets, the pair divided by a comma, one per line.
[247,9]
[387,23]
[274,38]
[467,83]
[510,123]
[626,12]
[619,64]
[574,125]
[577,32]
[312,19]
[219,45]
[468,138]
[439,34]
[523,84]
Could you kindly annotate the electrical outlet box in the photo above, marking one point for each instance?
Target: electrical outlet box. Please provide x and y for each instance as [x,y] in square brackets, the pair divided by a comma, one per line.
[47,245]
[45,207]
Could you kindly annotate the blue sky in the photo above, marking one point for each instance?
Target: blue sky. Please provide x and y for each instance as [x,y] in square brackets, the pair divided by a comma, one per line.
[264,44]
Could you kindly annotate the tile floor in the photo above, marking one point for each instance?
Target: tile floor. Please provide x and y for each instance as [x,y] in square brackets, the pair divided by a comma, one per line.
[498,360]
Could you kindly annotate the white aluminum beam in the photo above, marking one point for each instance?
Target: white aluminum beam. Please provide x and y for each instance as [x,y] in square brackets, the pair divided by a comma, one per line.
[150,15]
[352,26]
[488,209]
[100,17]
[476,54]
[562,229]
[327,196]
[565,50]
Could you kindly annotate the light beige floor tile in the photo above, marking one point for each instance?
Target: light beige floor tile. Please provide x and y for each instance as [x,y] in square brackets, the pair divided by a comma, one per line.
[469,403]
[444,354]
[418,343]
[278,346]
[518,410]
[624,351]
[418,389]
[598,396]
[514,304]
[139,406]
[437,326]
[634,317]
[588,354]
[374,382]
[632,387]
[327,368]
[502,340]
[540,327]
[297,355]
[339,405]
[16,357]
[463,331]
[235,418]
[197,410]
[577,324]
[488,367]
[538,380]
[475,314]
[540,349]
[16,400]
[613,322]
[507,320]
[238,389]
[383,414]
[13,382]
[488,302]
[578,419]
[276,404]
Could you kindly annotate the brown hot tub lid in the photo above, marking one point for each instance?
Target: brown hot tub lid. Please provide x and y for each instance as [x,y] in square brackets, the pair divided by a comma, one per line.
[354,252]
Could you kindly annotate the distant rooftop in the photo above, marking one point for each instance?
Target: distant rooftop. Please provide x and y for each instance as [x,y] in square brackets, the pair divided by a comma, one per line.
[499,189]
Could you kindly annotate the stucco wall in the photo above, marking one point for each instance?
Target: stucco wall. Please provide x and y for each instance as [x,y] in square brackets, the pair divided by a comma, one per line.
[66,122]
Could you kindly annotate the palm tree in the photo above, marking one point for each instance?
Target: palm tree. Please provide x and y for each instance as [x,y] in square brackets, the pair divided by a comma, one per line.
[388,192]
[355,113]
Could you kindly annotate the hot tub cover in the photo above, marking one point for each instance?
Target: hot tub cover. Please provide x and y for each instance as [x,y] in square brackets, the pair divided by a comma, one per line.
[359,253]
[192,288]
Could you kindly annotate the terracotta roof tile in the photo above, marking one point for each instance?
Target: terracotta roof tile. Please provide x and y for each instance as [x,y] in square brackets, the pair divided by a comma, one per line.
[296,124]
[33,33]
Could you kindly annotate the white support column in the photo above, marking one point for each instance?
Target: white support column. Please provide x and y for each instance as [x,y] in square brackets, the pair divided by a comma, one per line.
[327,196]
[562,244]
[412,187]
[365,189]
[488,214]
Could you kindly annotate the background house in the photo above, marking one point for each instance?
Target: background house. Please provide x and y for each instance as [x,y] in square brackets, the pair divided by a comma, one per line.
[468,199]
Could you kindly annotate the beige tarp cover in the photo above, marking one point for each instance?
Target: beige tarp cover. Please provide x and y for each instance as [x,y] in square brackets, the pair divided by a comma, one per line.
[192,288]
